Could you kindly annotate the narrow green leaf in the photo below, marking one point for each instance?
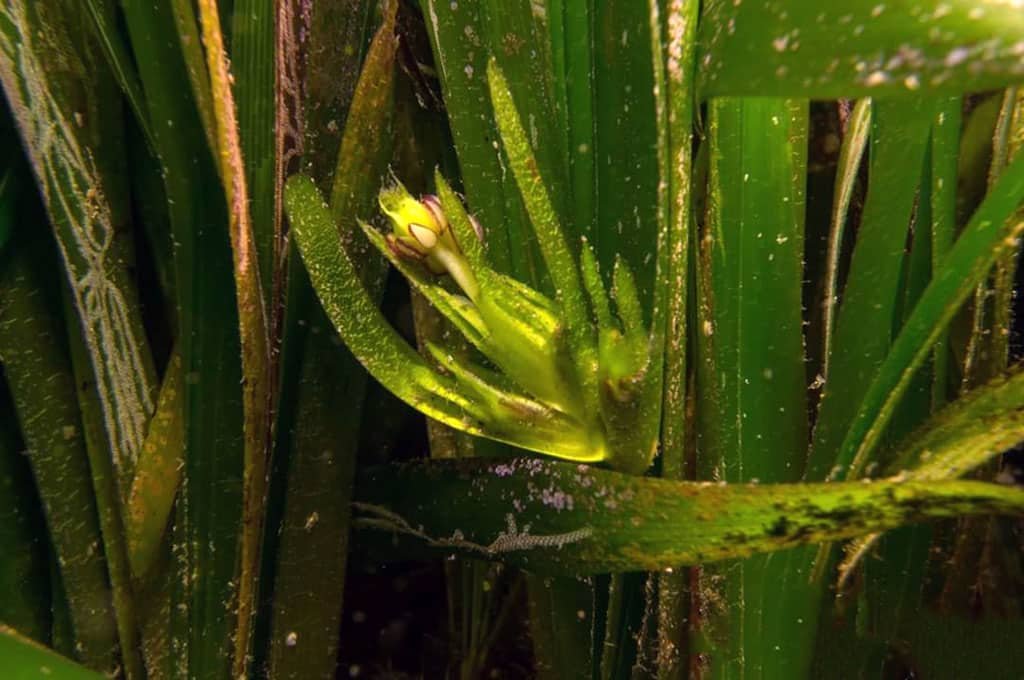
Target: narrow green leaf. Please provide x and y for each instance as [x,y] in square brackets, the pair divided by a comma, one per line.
[1003,135]
[456,309]
[465,232]
[858,48]
[107,497]
[975,155]
[627,300]
[968,433]
[680,41]
[253,69]
[387,357]
[855,143]
[867,310]
[165,42]
[945,148]
[561,265]
[562,518]
[118,60]
[991,232]
[28,660]
[181,14]
[682,25]
[366,332]
[594,285]
[892,584]
[252,328]
[988,348]
[158,473]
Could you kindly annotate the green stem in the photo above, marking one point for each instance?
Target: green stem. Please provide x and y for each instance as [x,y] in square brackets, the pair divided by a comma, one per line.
[458,268]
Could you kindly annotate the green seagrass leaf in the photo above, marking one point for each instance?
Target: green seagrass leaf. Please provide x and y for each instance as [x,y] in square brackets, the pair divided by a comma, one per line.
[569,519]
[821,50]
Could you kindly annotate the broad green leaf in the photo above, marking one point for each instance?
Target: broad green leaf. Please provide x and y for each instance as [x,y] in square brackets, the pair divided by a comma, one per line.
[950,647]
[317,465]
[67,112]
[24,566]
[459,34]
[752,415]
[28,660]
[335,45]
[71,131]
[858,48]
[753,412]
[562,638]
[629,151]
[34,351]
[107,497]
[574,55]
[362,158]
[316,451]
[23,563]
[559,517]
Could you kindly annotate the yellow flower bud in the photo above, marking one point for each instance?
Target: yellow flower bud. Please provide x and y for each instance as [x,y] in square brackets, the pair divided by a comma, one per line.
[421,232]
[420,227]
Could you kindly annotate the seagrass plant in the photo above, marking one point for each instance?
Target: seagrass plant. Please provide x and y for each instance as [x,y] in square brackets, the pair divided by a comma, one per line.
[709,308]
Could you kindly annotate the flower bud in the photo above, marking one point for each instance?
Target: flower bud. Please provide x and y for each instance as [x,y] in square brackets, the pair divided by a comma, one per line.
[421,232]
[420,228]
